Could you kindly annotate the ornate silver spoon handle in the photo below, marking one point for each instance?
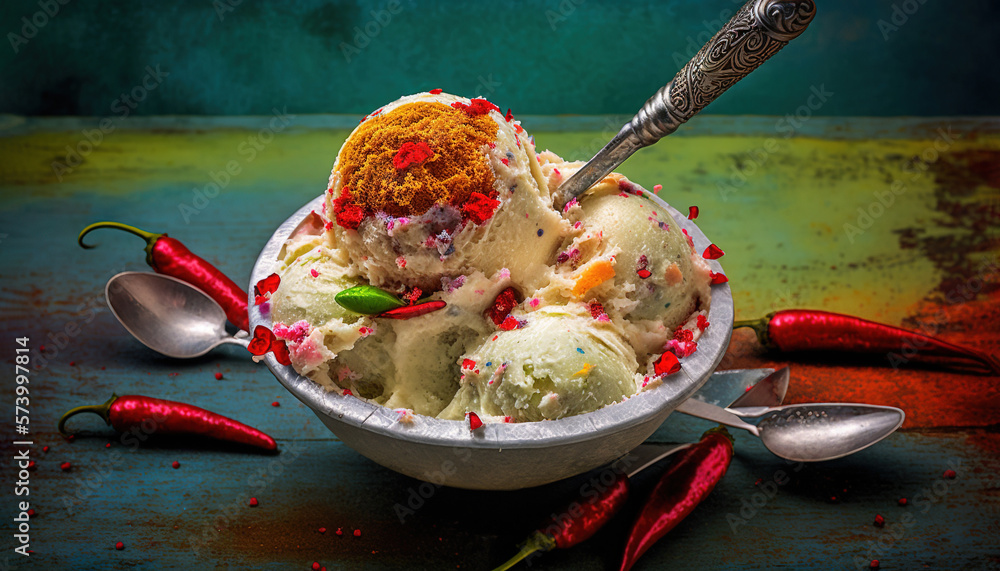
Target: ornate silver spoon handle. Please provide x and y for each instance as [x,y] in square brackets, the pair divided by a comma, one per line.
[758,30]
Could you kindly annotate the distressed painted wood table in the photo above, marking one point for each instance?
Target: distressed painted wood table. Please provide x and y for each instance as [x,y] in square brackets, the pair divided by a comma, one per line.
[893,220]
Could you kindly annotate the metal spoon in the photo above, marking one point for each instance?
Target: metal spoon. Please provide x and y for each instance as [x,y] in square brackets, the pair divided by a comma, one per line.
[169,316]
[808,432]
[758,30]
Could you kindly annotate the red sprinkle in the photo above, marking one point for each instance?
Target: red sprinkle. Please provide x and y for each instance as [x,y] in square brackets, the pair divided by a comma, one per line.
[411,154]
[45,448]
[713,252]
[31,464]
[949,474]
[409,311]
[176,464]
[667,364]
[280,350]
[702,322]
[65,466]
[275,403]
[468,364]
[119,546]
[717,278]
[347,393]
[108,445]
[874,564]
[218,376]
[505,302]
[357,533]
[322,530]
[692,212]
[261,342]
[509,324]
[339,531]
[879,520]
[479,208]
[31,513]
[902,501]
[253,502]
[347,214]
[315,566]
[267,285]
[683,335]
[643,274]
[505,162]
[476,106]
[435,91]
[71,438]
[474,420]
[596,309]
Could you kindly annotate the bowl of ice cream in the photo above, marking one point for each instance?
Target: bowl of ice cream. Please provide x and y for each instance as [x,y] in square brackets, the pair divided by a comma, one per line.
[539,342]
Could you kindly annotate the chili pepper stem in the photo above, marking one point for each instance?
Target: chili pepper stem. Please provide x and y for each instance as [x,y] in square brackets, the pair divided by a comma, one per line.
[149,237]
[759,327]
[102,410]
[537,542]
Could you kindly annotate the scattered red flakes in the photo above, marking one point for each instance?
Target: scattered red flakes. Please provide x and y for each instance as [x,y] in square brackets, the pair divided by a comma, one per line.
[596,309]
[275,404]
[357,533]
[902,501]
[693,212]
[45,448]
[315,566]
[879,520]
[874,564]
[314,273]
[72,363]
[435,91]
[65,466]
[509,116]
[505,162]
[702,322]
[218,376]
[347,393]
[713,252]
[667,364]
[261,342]
[347,214]
[70,437]
[31,464]
[949,475]
[267,285]
[176,464]
[479,208]
[253,502]
[759,480]
[504,303]
[42,348]
[519,129]
[119,546]
[411,311]
[474,420]
[339,531]
[108,445]
[657,187]
[717,278]
[411,153]
[509,323]
[690,240]
[476,106]
[328,225]
[643,274]
[508,419]
[321,530]
[683,335]
[468,364]
[31,513]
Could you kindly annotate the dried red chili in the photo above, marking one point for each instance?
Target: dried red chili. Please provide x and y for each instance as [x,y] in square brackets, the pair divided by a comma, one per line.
[128,412]
[168,256]
[692,476]
[808,330]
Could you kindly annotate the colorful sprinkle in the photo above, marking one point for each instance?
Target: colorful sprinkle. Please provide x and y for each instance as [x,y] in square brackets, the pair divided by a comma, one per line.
[474,420]
[593,275]
[667,364]
[713,252]
[510,323]
[587,367]
[717,278]
[314,273]
[540,232]
[580,351]
[468,364]
[411,153]
[657,187]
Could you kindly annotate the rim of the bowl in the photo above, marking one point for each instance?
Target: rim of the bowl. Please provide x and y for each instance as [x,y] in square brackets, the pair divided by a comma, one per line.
[640,408]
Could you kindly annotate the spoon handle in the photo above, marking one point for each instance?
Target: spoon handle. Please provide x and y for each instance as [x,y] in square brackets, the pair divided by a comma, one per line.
[241,341]
[714,413]
[758,30]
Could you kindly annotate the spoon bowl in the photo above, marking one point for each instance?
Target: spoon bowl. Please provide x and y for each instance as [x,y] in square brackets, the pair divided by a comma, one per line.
[167,315]
[818,432]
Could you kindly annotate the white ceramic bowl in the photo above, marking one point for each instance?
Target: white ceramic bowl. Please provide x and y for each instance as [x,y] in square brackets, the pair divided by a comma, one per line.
[501,456]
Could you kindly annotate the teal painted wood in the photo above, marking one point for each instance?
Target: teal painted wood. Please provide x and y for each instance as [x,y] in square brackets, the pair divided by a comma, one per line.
[196,517]
[539,57]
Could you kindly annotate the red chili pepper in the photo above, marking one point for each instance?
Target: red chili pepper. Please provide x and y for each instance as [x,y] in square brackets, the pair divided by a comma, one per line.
[168,256]
[410,311]
[806,330]
[168,417]
[692,476]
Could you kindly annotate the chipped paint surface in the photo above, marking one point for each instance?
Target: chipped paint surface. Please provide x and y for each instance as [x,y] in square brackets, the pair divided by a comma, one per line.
[923,263]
